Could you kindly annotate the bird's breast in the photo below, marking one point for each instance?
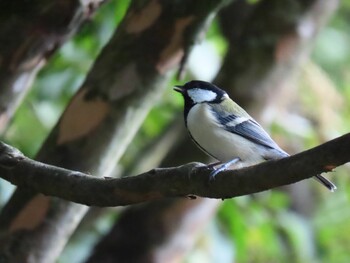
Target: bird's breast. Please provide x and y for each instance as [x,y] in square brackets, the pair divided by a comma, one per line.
[209,134]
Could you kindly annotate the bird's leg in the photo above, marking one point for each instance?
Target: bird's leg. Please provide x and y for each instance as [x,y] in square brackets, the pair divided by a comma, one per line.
[223,167]
[212,165]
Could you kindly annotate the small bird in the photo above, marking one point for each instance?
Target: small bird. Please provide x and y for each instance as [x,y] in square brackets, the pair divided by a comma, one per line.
[222,129]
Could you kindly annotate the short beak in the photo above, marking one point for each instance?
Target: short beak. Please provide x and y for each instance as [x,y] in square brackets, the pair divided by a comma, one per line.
[179,88]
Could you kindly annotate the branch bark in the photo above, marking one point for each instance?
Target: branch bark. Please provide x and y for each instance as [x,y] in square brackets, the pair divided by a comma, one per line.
[187,180]
[30,32]
[124,83]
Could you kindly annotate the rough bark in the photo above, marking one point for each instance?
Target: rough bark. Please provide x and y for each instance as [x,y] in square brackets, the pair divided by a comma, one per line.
[30,32]
[191,179]
[102,118]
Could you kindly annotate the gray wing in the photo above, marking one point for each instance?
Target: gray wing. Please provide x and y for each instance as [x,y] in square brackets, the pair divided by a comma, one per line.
[249,129]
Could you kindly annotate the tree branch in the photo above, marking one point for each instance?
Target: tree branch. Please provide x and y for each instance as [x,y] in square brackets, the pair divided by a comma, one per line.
[186,180]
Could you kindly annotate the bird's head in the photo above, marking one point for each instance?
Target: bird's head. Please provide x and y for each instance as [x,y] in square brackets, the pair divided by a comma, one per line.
[197,91]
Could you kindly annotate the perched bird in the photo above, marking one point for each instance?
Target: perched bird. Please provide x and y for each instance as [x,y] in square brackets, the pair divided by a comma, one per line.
[225,131]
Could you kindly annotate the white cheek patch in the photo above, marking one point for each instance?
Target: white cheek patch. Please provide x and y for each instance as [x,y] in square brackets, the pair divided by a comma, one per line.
[201,95]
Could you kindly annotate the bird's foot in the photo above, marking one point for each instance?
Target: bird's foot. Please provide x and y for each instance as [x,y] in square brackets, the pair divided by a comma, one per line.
[221,168]
[211,166]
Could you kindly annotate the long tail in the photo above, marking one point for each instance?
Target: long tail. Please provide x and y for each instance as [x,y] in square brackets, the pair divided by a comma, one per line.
[331,187]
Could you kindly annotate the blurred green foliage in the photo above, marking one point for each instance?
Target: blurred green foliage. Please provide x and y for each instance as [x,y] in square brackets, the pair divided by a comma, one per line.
[261,228]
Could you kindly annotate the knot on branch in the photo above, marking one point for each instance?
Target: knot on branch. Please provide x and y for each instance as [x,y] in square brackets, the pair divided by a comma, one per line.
[9,156]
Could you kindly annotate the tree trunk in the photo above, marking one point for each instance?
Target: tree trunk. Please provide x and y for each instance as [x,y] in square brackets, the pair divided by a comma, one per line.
[30,32]
[92,134]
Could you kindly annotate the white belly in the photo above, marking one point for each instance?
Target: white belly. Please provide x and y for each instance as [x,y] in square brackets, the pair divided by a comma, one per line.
[219,143]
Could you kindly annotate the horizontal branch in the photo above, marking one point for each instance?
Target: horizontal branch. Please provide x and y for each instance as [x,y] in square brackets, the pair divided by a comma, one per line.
[187,180]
